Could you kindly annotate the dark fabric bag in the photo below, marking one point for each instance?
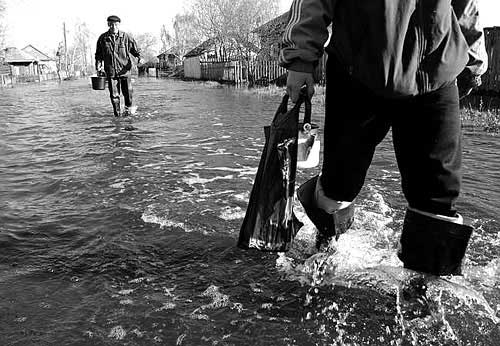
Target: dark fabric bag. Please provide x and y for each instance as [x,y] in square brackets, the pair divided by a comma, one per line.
[269,223]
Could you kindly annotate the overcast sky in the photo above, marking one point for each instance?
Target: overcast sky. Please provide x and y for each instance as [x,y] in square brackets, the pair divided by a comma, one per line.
[40,22]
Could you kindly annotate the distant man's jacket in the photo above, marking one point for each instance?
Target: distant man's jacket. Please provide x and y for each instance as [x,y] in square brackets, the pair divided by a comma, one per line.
[115,51]
[394,47]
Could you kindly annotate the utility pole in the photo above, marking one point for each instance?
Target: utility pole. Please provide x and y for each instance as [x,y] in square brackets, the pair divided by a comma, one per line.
[65,50]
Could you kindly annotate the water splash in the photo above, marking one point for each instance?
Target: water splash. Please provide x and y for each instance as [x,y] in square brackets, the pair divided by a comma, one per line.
[157,215]
[428,309]
[117,333]
[219,300]
[232,213]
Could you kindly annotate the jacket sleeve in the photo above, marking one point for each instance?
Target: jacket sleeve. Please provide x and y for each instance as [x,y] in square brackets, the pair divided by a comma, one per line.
[98,50]
[132,46]
[305,34]
[467,12]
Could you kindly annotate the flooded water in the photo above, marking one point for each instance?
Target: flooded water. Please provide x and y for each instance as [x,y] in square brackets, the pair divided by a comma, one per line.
[122,231]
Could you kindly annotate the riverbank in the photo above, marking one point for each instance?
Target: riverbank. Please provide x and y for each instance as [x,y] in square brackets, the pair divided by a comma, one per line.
[483,116]
[488,121]
[478,112]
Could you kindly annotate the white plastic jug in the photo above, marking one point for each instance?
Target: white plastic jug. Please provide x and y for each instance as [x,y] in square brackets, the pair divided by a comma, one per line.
[308,146]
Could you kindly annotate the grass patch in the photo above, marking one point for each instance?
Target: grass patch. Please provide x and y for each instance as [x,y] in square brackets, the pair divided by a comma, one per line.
[480,119]
[488,121]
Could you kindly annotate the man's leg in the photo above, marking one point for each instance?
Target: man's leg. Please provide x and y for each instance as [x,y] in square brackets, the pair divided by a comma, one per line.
[355,123]
[126,86]
[427,142]
[114,94]
[353,129]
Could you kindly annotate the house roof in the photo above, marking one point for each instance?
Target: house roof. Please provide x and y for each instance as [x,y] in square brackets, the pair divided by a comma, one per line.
[168,52]
[492,28]
[200,49]
[275,25]
[39,55]
[14,55]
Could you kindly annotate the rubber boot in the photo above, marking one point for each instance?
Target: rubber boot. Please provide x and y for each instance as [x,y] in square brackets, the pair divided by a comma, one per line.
[328,225]
[432,245]
[116,107]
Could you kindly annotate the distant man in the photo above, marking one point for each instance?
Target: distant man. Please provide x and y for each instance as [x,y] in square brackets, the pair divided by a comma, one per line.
[114,48]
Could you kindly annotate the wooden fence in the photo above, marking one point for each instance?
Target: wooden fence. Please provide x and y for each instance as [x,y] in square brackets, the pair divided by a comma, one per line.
[263,72]
[8,78]
[5,74]
[239,72]
[217,71]
[253,72]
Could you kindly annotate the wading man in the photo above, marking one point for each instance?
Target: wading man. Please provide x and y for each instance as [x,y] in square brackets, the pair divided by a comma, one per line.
[400,65]
[114,49]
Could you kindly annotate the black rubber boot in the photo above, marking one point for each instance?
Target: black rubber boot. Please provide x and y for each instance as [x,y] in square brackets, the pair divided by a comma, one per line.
[432,245]
[328,225]
[116,108]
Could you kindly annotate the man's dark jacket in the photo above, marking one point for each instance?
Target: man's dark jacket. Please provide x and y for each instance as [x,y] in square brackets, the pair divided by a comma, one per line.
[394,47]
[114,51]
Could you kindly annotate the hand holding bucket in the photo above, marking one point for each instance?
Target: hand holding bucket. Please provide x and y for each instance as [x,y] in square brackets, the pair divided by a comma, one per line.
[99,81]
[308,144]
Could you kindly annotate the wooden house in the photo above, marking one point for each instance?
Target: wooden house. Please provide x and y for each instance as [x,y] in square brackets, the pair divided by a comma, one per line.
[266,68]
[147,68]
[270,37]
[29,64]
[5,70]
[24,67]
[46,64]
[204,52]
[168,63]
[168,59]
[491,79]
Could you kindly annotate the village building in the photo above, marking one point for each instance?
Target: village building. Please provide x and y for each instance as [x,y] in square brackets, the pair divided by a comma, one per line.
[216,62]
[491,79]
[23,66]
[193,59]
[147,68]
[168,59]
[5,70]
[26,65]
[270,37]
[168,63]
[46,64]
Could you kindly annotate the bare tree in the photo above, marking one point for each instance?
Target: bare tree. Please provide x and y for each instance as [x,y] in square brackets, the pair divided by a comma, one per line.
[147,43]
[231,22]
[82,53]
[77,53]
[166,39]
[59,64]
[3,27]
[186,35]
[213,20]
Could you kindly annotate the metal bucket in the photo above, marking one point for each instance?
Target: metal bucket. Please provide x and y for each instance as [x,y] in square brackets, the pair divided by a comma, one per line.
[98,82]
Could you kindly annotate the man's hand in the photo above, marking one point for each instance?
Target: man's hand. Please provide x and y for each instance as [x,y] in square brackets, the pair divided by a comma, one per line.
[463,92]
[295,81]
[98,66]
[466,82]
[139,61]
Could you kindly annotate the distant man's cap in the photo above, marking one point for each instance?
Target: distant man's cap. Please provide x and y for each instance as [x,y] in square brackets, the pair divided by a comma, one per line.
[114,19]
